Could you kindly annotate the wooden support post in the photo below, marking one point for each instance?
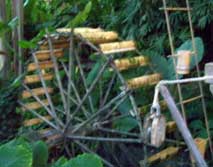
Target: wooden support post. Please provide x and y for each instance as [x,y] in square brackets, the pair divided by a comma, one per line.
[182,127]
[18,9]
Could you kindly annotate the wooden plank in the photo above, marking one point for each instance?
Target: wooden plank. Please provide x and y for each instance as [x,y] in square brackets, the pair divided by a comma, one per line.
[34,105]
[163,155]
[117,47]
[35,121]
[35,78]
[143,81]
[36,91]
[124,64]
[43,65]
[45,54]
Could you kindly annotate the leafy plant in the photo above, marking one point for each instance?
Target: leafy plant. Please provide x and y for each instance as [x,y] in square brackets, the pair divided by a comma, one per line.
[20,153]
[40,154]
[16,153]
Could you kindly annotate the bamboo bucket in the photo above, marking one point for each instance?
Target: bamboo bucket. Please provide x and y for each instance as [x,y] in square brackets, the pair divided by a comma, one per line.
[79,30]
[100,37]
[42,65]
[35,78]
[115,47]
[36,91]
[143,81]
[34,105]
[45,54]
[36,121]
[124,64]
[183,62]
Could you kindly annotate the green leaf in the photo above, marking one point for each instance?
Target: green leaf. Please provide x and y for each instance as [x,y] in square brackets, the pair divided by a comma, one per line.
[85,160]
[4,28]
[81,17]
[13,23]
[161,65]
[125,124]
[27,44]
[40,154]
[15,155]
[196,125]
[18,81]
[93,73]
[59,162]
[125,107]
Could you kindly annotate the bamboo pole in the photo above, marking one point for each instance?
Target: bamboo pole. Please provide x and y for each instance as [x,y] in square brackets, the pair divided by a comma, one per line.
[4,58]
[18,34]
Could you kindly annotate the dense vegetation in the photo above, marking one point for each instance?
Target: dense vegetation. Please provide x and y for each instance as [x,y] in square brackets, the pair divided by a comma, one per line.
[140,20]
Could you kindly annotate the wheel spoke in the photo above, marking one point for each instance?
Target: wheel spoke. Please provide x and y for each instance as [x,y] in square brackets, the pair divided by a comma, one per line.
[87,93]
[56,70]
[84,80]
[108,90]
[105,139]
[117,131]
[121,95]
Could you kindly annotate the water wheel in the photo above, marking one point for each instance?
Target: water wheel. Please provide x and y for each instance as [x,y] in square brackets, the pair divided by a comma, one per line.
[79,99]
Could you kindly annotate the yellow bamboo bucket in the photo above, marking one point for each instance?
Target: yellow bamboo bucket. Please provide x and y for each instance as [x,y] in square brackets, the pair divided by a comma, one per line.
[183,62]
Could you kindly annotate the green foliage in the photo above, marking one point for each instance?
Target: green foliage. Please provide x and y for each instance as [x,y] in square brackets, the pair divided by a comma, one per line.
[19,153]
[15,154]
[81,17]
[93,73]
[40,154]
[9,120]
[125,124]
[83,160]
[6,27]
